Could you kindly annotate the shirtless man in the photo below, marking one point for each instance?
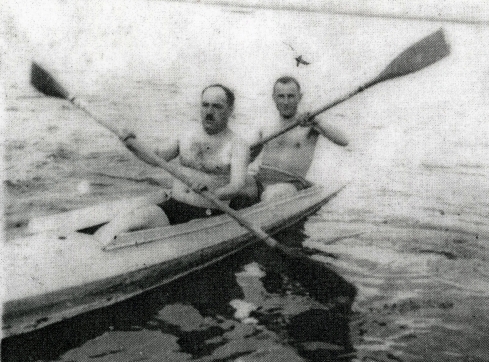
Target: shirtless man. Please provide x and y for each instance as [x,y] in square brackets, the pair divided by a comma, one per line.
[293,151]
[212,155]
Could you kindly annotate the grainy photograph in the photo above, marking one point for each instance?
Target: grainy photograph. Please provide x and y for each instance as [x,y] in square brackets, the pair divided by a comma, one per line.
[245,181]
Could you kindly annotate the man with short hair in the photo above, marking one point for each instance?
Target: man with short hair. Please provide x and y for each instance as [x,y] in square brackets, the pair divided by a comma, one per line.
[211,154]
[293,151]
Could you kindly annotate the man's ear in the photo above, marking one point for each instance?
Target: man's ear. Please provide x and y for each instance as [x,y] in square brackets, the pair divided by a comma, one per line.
[230,111]
[300,97]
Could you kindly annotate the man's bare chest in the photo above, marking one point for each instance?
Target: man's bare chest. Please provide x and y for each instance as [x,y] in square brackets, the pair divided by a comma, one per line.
[205,155]
[295,139]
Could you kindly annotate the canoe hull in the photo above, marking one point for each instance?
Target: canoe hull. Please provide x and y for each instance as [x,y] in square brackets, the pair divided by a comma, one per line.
[146,266]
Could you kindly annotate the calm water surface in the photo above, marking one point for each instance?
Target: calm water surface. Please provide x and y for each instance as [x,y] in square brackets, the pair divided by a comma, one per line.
[405,241]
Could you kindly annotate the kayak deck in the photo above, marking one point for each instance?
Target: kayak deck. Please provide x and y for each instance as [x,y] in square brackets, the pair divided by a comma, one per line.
[51,278]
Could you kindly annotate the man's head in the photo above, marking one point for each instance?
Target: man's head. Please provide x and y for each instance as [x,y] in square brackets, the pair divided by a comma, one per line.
[217,103]
[287,95]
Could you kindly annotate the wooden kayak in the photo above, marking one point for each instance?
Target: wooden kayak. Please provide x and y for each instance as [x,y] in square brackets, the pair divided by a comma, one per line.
[52,276]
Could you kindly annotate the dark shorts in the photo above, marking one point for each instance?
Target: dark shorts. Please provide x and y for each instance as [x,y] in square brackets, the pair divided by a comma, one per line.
[179,212]
[268,176]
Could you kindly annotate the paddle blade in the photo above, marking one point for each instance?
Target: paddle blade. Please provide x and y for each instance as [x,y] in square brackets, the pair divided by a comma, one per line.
[425,52]
[45,83]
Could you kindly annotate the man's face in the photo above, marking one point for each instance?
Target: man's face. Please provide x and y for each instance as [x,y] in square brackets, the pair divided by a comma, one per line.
[287,97]
[214,110]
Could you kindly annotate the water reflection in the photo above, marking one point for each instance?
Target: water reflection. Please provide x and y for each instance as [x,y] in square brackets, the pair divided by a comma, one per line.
[253,306]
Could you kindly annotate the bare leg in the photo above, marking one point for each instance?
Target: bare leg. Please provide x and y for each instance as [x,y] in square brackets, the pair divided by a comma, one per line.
[278,191]
[143,217]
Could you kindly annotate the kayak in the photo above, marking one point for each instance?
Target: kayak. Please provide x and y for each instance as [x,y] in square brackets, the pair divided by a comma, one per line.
[53,275]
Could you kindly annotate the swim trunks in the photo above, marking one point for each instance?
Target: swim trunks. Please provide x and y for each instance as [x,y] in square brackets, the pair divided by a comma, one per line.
[179,212]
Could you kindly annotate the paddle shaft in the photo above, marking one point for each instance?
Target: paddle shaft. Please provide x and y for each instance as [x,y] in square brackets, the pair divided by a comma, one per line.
[45,83]
[149,156]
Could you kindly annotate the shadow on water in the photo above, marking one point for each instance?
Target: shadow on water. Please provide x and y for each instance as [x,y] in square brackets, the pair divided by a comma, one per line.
[319,333]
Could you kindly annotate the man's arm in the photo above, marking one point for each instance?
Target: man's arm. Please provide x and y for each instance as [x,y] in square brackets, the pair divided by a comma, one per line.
[169,152]
[240,156]
[332,133]
[255,151]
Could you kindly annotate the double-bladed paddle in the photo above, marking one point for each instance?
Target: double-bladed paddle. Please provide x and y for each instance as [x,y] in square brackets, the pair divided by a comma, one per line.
[421,54]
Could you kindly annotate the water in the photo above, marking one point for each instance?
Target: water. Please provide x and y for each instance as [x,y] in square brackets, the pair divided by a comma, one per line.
[406,241]
[249,305]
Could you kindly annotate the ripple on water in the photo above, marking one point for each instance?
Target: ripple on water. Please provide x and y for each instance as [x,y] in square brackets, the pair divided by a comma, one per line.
[416,287]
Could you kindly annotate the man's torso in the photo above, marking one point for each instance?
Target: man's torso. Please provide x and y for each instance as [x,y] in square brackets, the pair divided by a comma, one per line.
[207,160]
[292,151]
